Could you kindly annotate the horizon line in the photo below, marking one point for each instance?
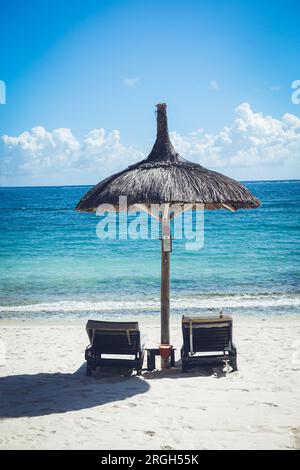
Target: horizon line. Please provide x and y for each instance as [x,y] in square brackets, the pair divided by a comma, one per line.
[85,185]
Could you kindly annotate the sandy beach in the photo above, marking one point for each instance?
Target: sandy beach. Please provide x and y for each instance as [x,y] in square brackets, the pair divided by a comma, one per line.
[47,402]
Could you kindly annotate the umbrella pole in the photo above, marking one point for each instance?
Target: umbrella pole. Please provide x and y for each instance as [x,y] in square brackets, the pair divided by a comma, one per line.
[165,303]
[165,285]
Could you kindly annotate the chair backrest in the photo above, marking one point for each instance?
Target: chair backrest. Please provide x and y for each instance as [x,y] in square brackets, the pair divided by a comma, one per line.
[114,337]
[206,333]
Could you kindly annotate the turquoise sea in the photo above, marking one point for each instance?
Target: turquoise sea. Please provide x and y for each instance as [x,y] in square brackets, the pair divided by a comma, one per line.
[54,265]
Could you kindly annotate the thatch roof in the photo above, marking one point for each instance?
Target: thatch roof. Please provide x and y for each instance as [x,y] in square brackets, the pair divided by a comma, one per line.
[165,177]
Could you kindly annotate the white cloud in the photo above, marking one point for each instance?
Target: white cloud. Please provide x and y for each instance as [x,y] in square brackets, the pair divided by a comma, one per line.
[42,152]
[131,82]
[213,85]
[253,140]
[275,88]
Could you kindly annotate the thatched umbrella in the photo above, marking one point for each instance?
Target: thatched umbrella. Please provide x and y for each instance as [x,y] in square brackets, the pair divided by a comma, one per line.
[166,178]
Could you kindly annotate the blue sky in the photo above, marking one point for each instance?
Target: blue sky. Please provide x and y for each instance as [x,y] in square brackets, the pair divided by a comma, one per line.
[85,76]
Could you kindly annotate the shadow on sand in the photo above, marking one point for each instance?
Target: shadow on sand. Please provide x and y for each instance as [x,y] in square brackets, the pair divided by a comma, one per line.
[46,393]
[176,372]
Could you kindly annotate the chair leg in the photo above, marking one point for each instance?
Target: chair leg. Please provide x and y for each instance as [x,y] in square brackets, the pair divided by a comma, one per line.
[233,361]
[88,369]
[183,363]
[234,365]
[184,366]
[141,362]
[150,360]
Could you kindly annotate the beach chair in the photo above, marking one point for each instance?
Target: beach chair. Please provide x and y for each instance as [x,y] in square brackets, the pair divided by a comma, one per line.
[111,339]
[207,340]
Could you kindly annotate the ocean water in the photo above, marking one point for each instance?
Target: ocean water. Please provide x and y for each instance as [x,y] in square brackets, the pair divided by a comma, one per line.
[54,265]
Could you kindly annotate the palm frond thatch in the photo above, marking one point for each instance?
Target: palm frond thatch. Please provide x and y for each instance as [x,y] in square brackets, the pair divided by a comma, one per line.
[165,177]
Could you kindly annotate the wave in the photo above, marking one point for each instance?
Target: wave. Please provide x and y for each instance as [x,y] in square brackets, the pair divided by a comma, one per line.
[206,302]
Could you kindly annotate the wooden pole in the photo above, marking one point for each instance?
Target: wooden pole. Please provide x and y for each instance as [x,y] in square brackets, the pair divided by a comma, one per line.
[166,247]
[165,303]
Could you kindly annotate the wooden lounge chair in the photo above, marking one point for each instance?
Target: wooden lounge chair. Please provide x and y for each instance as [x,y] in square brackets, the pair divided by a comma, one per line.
[207,340]
[114,339]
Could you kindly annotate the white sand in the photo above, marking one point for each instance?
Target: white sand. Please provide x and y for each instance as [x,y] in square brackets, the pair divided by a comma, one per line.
[47,401]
